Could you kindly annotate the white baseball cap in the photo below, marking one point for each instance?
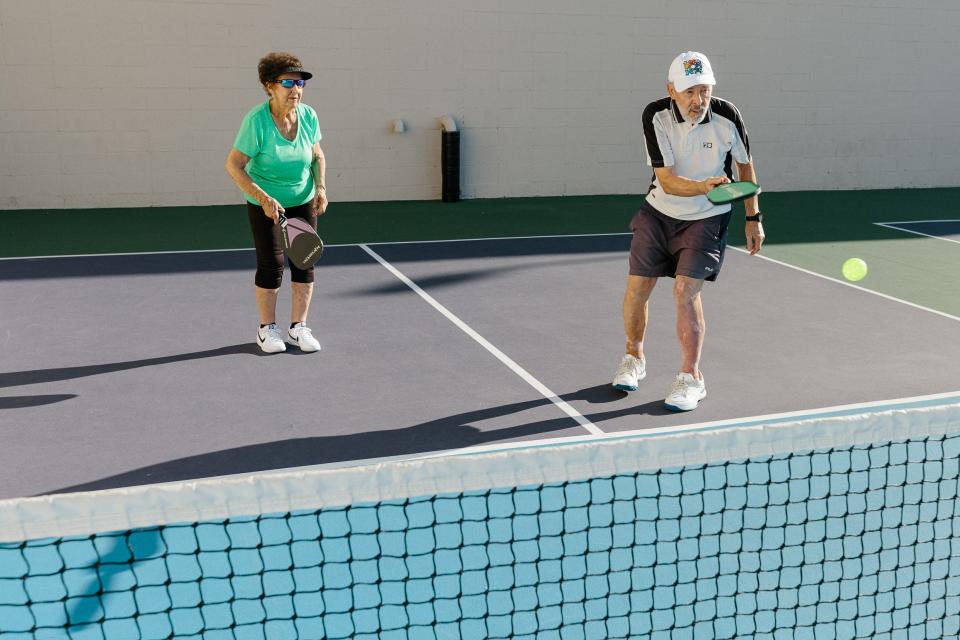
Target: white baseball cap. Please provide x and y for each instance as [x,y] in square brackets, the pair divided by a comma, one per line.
[688,69]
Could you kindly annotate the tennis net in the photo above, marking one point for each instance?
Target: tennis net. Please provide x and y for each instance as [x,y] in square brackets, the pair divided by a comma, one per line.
[832,526]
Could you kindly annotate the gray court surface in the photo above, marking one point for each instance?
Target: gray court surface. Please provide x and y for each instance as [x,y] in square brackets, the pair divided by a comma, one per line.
[126,370]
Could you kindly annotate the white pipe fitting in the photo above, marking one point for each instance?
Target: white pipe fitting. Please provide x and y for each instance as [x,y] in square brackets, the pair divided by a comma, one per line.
[447,123]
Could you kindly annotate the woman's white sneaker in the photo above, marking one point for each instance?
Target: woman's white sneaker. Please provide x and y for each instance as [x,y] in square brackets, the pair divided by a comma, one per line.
[301,336]
[686,393]
[269,339]
[631,371]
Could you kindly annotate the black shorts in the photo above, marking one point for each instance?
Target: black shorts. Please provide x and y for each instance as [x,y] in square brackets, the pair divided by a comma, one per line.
[269,245]
[664,246]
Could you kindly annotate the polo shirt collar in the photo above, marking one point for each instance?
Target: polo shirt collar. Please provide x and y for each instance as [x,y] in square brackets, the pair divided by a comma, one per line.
[678,117]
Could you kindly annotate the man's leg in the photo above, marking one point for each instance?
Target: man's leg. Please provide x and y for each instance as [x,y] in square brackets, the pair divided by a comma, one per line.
[690,323]
[636,304]
[633,367]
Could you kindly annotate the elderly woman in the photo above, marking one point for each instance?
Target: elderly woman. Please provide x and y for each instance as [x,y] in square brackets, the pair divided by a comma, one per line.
[277,161]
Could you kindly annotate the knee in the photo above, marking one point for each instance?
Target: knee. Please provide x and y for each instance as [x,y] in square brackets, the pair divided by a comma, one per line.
[686,290]
[639,288]
[301,276]
[269,277]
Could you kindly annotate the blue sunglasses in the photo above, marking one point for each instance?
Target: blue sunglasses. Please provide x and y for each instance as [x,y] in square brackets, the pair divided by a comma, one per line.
[289,84]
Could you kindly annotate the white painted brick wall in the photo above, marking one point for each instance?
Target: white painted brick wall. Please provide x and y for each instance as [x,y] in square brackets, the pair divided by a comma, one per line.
[136,102]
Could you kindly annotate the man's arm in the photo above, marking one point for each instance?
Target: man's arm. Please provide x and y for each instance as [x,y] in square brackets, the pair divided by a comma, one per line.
[679,186]
[754,230]
[746,172]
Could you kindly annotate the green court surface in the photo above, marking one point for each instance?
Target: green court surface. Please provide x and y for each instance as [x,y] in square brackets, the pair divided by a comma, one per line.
[812,230]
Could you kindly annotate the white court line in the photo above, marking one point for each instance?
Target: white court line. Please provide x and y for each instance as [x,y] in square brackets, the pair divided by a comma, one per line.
[130,253]
[486,344]
[770,418]
[572,235]
[893,225]
[328,246]
[850,284]
[579,235]
[766,419]
[916,221]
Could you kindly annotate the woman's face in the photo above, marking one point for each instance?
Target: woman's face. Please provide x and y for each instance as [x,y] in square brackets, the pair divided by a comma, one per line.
[288,96]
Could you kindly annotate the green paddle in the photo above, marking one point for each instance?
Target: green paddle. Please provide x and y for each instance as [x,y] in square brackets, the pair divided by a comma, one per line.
[732,192]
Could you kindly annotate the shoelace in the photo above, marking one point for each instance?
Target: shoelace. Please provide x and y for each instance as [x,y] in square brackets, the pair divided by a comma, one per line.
[627,366]
[303,331]
[273,332]
[680,386]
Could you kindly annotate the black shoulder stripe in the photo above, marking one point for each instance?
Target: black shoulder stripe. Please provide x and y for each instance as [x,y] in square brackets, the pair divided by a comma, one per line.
[728,110]
[649,134]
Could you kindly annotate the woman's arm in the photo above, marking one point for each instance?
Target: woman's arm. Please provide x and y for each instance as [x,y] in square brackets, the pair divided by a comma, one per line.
[236,169]
[319,168]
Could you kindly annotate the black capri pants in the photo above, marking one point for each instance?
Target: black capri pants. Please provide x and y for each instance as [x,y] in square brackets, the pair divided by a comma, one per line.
[269,245]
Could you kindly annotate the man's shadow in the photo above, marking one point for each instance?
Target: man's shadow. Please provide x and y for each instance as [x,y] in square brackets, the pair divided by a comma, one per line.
[447,433]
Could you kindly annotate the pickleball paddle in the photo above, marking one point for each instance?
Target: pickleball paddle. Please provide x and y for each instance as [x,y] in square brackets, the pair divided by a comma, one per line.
[300,241]
[732,192]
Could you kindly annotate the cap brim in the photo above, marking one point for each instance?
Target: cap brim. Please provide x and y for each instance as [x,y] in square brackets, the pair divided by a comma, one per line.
[691,81]
[305,75]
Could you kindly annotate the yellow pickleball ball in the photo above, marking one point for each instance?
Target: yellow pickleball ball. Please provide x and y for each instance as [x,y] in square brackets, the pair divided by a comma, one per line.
[854,269]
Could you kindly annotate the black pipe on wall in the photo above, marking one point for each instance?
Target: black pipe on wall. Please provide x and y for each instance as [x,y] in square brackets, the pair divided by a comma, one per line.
[450,165]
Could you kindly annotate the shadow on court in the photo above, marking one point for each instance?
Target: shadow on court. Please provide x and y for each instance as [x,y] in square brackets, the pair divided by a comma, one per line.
[462,277]
[95,266]
[22,402]
[38,376]
[451,432]
[119,555]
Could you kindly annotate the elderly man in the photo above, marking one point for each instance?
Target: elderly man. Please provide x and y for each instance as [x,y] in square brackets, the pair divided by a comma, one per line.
[692,140]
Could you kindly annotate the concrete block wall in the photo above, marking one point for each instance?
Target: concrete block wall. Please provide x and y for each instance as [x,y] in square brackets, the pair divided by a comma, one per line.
[136,102]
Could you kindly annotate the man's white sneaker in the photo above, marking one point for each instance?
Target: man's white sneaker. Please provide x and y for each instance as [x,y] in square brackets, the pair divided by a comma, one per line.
[269,339]
[631,371]
[301,336]
[686,393]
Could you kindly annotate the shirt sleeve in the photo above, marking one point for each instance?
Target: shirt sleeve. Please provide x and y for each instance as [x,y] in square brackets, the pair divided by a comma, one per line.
[741,141]
[659,151]
[312,123]
[740,150]
[249,138]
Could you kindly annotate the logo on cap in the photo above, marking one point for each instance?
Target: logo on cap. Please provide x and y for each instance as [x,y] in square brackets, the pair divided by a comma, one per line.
[692,66]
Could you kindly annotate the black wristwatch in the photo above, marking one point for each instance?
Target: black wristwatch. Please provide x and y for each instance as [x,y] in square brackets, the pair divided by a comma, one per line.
[757,217]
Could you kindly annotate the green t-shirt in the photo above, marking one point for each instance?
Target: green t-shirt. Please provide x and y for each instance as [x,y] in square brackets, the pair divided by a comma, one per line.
[279,166]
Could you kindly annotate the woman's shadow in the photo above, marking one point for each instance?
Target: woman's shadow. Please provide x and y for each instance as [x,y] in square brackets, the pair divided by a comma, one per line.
[40,376]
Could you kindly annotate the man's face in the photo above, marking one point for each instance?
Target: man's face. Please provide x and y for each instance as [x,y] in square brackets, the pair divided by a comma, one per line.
[693,102]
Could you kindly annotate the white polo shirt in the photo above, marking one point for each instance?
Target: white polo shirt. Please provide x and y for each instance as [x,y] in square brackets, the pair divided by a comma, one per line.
[697,152]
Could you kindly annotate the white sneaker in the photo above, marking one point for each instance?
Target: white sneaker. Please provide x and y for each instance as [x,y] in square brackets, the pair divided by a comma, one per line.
[632,370]
[302,336]
[686,393]
[270,340]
